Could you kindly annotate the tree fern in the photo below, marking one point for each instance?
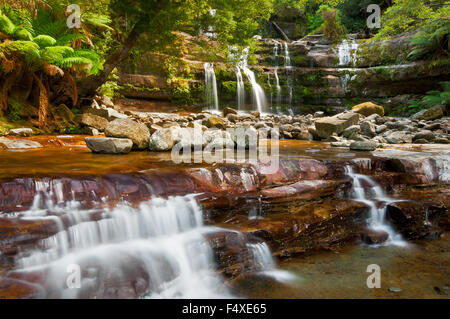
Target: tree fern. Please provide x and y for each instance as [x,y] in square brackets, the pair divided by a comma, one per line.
[27,49]
[22,34]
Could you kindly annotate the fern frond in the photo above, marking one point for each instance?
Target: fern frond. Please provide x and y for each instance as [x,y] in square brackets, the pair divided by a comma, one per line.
[67,39]
[6,26]
[44,41]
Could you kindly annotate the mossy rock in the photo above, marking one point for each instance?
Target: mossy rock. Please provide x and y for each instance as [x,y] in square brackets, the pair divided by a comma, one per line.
[368,108]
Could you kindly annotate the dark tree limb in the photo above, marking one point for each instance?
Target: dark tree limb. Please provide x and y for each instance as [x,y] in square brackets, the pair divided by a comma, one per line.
[281,31]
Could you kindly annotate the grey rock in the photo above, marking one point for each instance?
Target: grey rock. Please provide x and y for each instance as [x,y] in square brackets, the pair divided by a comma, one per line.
[367,128]
[433,113]
[127,128]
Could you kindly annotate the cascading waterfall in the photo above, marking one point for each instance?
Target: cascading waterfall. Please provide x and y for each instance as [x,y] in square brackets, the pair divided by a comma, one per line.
[258,93]
[289,75]
[163,240]
[347,53]
[240,89]
[211,98]
[377,220]
[277,79]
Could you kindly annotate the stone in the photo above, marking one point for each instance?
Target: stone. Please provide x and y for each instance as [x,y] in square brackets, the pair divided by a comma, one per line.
[433,113]
[351,130]
[232,117]
[380,129]
[368,108]
[106,100]
[441,140]
[92,120]
[245,137]
[425,134]
[108,113]
[25,131]
[90,131]
[228,110]
[164,139]
[214,138]
[109,145]
[303,135]
[421,141]
[363,146]
[319,114]
[341,144]
[432,126]
[373,117]
[214,121]
[373,237]
[326,126]
[394,289]
[398,137]
[127,128]
[367,128]
[19,144]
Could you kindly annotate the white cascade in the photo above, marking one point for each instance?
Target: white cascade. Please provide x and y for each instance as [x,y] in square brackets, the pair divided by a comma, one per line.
[240,89]
[289,74]
[370,196]
[211,98]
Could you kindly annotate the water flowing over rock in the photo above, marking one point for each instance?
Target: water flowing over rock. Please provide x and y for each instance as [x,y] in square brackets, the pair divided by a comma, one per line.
[211,98]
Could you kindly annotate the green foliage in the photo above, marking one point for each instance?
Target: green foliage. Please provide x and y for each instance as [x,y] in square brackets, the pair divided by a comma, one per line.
[331,27]
[6,26]
[408,15]
[431,41]
[433,98]
[44,41]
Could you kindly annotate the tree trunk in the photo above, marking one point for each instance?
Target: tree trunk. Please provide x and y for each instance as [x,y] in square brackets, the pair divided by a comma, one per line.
[89,86]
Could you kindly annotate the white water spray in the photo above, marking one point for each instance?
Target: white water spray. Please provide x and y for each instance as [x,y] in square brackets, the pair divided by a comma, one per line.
[240,89]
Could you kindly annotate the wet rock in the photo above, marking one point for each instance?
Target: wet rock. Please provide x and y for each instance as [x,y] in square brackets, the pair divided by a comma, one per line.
[341,144]
[302,189]
[421,141]
[92,120]
[19,144]
[363,146]
[433,113]
[228,110]
[18,289]
[109,145]
[373,237]
[432,126]
[127,128]
[214,121]
[326,126]
[21,132]
[368,108]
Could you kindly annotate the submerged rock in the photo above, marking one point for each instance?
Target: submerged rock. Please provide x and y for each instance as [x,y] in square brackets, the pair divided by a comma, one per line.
[18,144]
[373,237]
[109,145]
[127,128]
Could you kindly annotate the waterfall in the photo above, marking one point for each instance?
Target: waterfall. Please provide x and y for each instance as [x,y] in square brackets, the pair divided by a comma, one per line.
[347,53]
[258,93]
[240,89]
[211,98]
[377,220]
[277,79]
[289,74]
[160,244]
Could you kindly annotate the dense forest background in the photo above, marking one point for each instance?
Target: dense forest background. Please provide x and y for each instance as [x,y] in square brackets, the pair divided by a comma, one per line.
[45,63]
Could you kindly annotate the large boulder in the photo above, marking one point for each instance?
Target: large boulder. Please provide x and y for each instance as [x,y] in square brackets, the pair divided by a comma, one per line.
[109,145]
[368,108]
[398,137]
[127,128]
[433,113]
[92,120]
[325,127]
